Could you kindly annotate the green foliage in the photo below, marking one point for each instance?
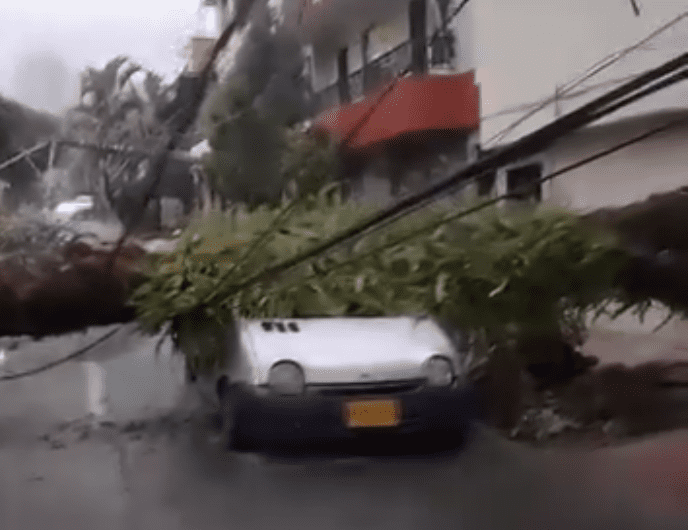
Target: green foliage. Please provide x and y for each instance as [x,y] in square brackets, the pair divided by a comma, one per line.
[254,162]
[247,118]
[245,162]
[309,161]
[535,271]
[115,110]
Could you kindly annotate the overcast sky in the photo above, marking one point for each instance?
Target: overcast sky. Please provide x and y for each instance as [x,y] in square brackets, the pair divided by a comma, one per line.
[66,36]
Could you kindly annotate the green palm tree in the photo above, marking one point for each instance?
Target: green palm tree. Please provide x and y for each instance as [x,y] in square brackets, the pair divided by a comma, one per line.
[113,111]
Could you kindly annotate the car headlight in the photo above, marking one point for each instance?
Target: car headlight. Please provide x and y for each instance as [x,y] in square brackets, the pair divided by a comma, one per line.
[286,378]
[439,371]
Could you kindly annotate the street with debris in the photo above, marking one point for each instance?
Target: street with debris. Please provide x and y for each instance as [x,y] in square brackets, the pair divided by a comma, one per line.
[116,440]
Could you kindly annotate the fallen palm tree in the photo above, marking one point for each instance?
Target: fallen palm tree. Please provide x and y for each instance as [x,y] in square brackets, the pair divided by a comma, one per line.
[654,233]
[649,234]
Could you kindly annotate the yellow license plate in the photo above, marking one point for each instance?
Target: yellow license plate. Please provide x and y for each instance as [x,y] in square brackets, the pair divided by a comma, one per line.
[372,413]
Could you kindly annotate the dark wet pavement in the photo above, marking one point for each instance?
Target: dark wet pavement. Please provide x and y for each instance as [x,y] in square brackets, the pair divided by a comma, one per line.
[116,441]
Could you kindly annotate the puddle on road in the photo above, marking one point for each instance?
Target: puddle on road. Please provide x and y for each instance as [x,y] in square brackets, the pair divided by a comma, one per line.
[119,380]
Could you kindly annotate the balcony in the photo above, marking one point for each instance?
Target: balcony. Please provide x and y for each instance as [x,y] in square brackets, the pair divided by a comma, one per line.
[382,70]
[316,20]
[413,107]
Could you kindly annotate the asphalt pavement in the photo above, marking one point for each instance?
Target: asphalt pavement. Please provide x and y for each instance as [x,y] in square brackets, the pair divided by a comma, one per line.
[116,440]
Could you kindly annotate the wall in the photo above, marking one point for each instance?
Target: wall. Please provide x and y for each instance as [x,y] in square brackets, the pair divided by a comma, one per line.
[385,36]
[419,165]
[655,165]
[389,27]
[523,50]
[324,68]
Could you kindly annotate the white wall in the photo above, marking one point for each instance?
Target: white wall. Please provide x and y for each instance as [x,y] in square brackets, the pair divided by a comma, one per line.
[657,164]
[387,35]
[522,50]
[324,68]
[389,28]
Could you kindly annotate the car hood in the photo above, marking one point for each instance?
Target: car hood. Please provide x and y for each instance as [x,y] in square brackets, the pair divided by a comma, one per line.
[347,350]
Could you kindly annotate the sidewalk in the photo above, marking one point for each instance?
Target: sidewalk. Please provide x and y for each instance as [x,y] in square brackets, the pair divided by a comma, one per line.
[626,340]
[653,472]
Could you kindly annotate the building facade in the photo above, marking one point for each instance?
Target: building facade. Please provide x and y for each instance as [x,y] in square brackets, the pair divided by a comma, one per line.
[392,86]
[536,61]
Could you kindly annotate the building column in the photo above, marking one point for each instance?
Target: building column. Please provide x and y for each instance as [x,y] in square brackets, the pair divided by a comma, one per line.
[418,27]
[500,185]
[343,76]
[365,40]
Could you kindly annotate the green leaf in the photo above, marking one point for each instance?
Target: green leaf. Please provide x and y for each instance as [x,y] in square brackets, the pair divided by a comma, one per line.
[312,300]
[400,267]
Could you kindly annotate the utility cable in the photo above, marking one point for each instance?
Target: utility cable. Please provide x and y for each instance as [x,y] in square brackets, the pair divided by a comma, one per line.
[525,107]
[532,143]
[671,80]
[447,21]
[13,160]
[70,357]
[187,117]
[509,195]
[593,70]
[490,202]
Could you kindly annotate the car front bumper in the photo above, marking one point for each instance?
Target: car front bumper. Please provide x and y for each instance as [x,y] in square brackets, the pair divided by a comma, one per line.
[315,419]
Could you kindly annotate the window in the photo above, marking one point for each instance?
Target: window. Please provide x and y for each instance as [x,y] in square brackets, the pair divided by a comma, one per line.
[486,183]
[442,49]
[522,181]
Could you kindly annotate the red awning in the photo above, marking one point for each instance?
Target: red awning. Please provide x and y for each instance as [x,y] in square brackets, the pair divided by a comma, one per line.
[415,104]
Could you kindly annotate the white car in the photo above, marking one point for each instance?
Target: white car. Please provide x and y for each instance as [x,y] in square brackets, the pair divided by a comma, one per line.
[67,210]
[319,379]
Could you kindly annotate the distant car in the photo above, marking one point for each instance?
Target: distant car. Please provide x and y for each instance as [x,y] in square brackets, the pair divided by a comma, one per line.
[320,379]
[72,209]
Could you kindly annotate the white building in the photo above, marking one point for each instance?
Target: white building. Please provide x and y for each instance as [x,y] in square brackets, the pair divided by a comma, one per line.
[393,68]
[522,56]
[525,54]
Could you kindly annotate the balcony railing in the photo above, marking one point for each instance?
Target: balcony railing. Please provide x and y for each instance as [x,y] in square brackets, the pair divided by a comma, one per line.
[378,71]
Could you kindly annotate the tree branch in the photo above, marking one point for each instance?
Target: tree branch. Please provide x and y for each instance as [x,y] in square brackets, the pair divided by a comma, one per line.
[27,152]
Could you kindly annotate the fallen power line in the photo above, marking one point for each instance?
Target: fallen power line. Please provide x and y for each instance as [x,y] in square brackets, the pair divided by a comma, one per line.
[70,357]
[427,228]
[512,194]
[527,146]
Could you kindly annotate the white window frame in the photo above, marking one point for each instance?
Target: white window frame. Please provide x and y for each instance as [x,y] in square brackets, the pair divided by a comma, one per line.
[547,167]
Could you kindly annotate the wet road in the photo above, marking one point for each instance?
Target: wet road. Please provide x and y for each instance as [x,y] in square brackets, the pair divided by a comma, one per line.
[116,441]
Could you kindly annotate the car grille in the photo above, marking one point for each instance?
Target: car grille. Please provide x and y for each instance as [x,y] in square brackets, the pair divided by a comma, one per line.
[386,387]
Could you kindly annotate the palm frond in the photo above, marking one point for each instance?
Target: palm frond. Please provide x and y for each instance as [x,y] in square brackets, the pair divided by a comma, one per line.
[128,73]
